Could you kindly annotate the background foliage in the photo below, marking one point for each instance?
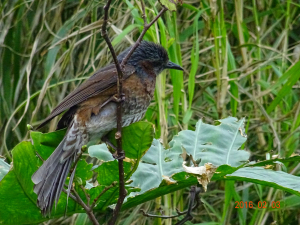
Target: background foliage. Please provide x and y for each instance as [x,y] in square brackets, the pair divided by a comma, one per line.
[236,56]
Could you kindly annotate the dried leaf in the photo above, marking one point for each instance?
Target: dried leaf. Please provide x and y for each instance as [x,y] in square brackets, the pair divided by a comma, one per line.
[168,180]
[203,173]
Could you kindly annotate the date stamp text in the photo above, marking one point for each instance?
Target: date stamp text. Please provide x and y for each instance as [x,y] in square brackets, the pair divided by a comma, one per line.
[260,204]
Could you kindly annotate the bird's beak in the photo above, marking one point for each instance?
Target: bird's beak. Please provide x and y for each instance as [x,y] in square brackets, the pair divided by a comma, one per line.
[174,66]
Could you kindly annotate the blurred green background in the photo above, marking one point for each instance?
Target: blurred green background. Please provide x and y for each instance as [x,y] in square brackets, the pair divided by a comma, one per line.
[240,58]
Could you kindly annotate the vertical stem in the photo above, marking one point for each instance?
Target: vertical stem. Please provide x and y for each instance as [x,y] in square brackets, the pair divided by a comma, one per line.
[120,67]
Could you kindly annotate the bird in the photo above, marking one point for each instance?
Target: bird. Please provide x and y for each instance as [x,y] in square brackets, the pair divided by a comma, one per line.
[90,113]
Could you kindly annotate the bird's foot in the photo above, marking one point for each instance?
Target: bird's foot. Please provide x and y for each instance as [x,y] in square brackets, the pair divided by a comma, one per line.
[117,99]
[119,156]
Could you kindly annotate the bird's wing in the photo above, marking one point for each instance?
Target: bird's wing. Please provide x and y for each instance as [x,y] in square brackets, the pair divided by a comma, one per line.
[96,84]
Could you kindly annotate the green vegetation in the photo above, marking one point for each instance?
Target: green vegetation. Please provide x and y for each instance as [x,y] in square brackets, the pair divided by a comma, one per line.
[241,59]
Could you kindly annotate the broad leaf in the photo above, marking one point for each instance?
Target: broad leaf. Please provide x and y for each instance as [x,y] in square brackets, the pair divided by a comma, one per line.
[108,172]
[214,144]
[17,200]
[84,170]
[46,143]
[156,165]
[271,178]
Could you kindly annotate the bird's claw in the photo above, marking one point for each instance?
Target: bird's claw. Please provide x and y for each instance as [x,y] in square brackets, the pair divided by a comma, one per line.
[117,99]
[120,156]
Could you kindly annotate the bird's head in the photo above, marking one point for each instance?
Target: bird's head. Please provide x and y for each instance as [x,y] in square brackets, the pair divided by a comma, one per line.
[149,57]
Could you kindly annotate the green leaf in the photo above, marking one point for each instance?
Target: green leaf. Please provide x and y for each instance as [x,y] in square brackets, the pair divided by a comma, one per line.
[108,172]
[159,167]
[292,76]
[100,152]
[82,219]
[109,197]
[17,199]
[4,168]
[276,179]
[136,139]
[121,36]
[215,144]
[46,143]
[156,165]
[169,4]
[62,32]
[83,170]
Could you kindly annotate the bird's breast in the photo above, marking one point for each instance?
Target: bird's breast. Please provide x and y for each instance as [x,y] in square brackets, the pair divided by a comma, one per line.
[138,95]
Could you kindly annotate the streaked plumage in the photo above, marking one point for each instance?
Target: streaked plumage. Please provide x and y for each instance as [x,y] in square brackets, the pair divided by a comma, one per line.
[91,114]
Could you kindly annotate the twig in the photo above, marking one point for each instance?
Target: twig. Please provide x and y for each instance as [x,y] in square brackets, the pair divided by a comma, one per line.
[70,195]
[193,195]
[87,209]
[39,156]
[139,40]
[76,197]
[118,135]
[86,195]
[102,192]
[107,141]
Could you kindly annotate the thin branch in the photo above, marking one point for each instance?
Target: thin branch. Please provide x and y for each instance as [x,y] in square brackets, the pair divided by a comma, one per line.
[118,135]
[193,196]
[39,156]
[194,193]
[139,40]
[76,197]
[87,209]
[87,196]
[102,192]
[144,14]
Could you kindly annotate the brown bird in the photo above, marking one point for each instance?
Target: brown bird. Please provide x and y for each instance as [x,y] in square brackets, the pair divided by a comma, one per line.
[91,114]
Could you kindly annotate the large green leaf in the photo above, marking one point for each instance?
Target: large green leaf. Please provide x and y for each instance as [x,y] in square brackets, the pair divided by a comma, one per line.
[17,200]
[276,179]
[4,168]
[108,172]
[46,143]
[214,144]
[156,165]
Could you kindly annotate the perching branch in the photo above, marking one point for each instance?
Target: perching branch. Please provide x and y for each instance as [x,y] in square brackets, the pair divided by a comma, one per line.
[193,196]
[118,135]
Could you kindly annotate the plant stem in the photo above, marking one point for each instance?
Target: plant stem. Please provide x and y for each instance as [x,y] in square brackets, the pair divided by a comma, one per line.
[118,135]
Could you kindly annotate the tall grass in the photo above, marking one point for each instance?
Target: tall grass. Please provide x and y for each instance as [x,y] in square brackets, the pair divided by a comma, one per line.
[236,57]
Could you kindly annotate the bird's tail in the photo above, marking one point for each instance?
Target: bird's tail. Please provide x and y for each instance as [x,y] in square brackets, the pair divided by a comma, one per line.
[50,178]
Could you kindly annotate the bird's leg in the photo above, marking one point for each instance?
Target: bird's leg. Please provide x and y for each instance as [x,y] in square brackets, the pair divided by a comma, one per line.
[117,99]
[120,156]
